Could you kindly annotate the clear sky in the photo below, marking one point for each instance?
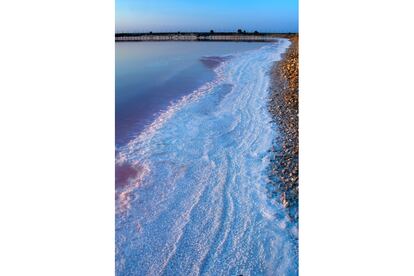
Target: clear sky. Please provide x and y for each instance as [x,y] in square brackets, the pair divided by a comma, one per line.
[206,15]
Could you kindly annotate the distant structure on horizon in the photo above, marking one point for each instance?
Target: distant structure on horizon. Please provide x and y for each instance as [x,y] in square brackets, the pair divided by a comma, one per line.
[204,36]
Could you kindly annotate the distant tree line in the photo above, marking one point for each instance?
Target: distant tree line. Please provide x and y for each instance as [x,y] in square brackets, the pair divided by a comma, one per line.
[239,32]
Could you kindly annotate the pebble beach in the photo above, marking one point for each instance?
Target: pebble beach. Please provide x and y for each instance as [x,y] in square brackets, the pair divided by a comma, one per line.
[283,105]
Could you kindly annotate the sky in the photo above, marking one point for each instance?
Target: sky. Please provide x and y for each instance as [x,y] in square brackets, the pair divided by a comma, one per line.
[206,15]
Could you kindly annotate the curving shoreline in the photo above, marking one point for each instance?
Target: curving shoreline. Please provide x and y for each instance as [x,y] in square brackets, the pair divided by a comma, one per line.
[200,175]
[283,105]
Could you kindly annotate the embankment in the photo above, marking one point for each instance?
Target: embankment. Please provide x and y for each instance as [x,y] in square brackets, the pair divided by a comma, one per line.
[284,171]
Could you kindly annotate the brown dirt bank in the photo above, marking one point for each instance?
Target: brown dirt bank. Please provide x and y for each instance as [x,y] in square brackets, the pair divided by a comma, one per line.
[283,105]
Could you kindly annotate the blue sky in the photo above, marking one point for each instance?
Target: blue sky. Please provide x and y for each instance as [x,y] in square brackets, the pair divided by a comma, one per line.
[204,15]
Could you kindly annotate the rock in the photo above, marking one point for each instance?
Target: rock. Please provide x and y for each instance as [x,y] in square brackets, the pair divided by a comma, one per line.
[283,105]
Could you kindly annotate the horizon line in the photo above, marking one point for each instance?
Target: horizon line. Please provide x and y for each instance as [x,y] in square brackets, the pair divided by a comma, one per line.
[207,32]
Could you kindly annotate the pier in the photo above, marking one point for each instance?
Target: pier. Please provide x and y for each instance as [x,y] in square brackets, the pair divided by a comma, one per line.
[197,37]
